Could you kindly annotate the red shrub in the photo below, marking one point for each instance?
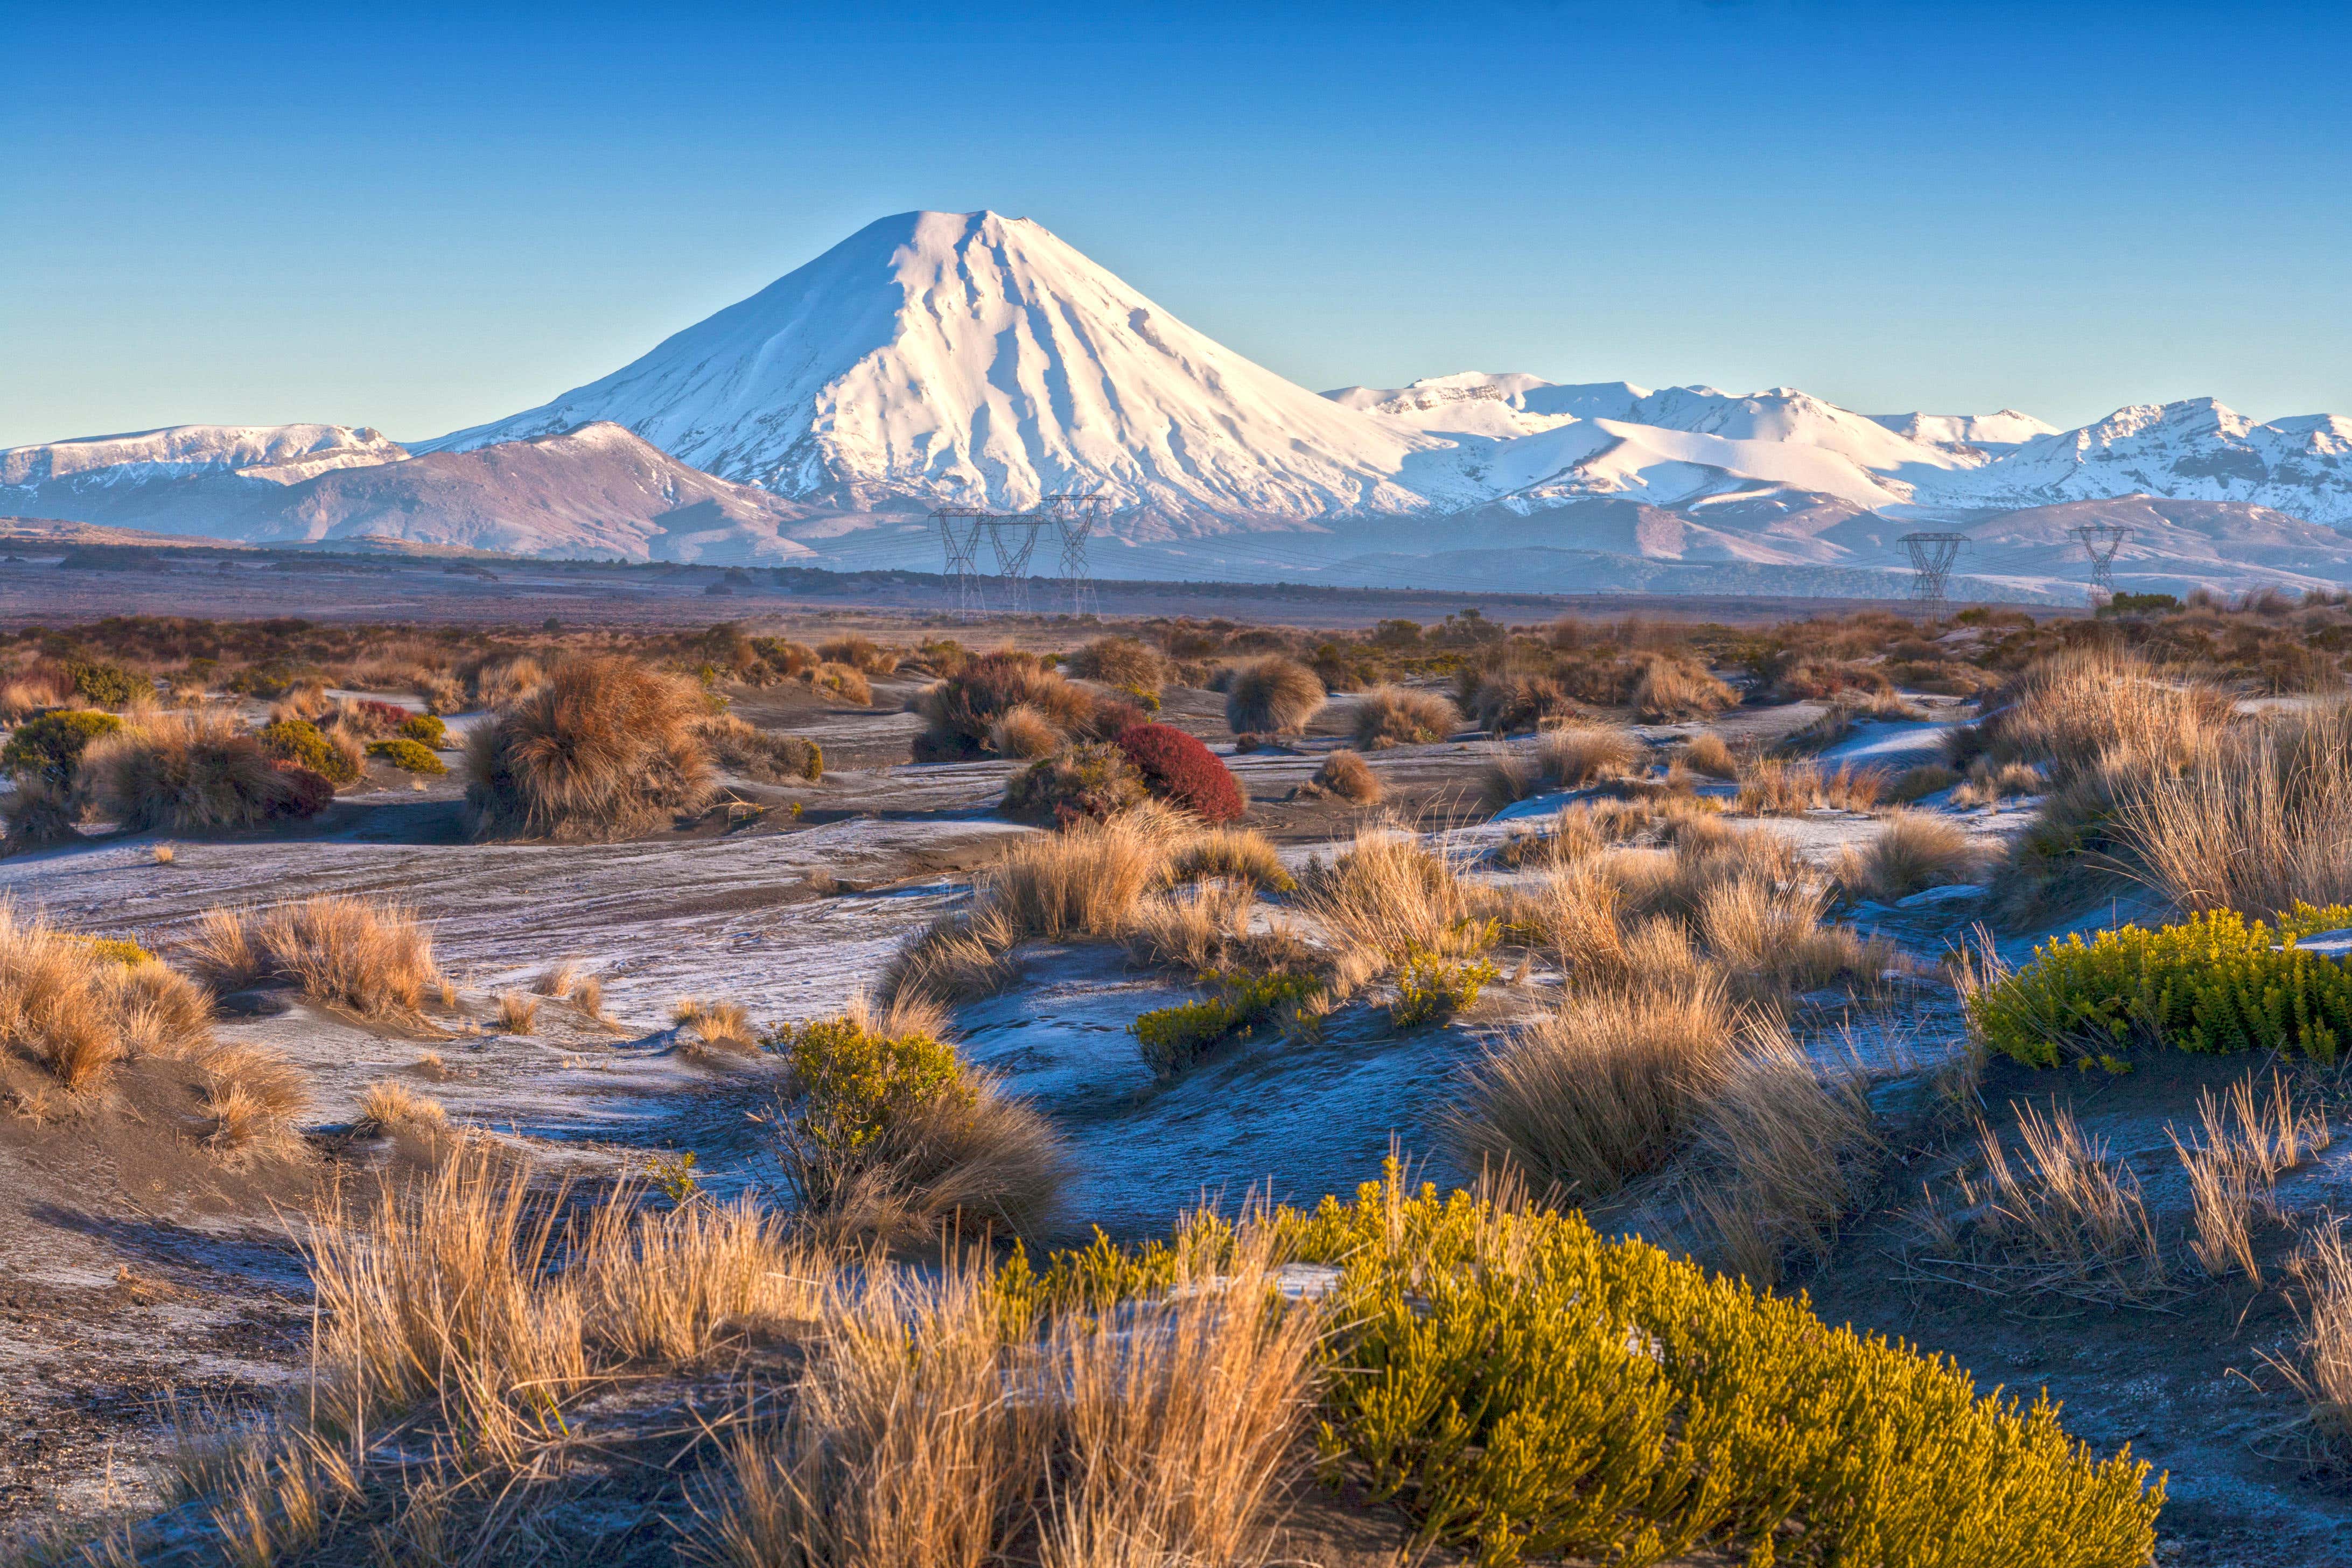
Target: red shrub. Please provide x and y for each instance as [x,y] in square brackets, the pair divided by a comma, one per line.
[1180,770]
[313,793]
[381,718]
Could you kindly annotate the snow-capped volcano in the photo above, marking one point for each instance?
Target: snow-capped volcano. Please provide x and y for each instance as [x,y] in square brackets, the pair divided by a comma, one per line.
[973,358]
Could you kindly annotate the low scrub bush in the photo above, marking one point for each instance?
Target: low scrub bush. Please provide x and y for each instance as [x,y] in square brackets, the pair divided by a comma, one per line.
[1177,768]
[1173,1038]
[604,749]
[961,711]
[373,958]
[2216,981]
[1401,716]
[409,756]
[425,729]
[194,771]
[861,654]
[107,685]
[49,747]
[1431,988]
[889,1133]
[1086,782]
[1523,1387]
[299,743]
[1271,696]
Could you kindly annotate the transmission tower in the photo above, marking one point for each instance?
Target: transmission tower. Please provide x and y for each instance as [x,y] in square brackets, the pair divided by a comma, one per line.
[1932,555]
[2100,542]
[959,531]
[1013,540]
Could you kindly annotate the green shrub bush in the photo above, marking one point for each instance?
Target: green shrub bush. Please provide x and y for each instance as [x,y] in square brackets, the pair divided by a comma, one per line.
[298,743]
[855,1084]
[1519,1385]
[108,685]
[425,729]
[47,748]
[410,756]
[1430,986]
[1173,1038]
[2217,982]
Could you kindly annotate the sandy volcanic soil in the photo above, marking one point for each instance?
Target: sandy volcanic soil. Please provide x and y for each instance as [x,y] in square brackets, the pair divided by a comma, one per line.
[129,1273]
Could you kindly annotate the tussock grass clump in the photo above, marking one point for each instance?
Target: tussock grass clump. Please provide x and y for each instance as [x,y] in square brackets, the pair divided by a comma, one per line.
[1349,776]
[1986,785]
[1271,696]
[958,957]
[76,1008]
[1775,786]
[1242,853]
[1915,850]
[764,756]
[1710,753]
[1022,732]
[517,1012]
[40,817]
[373,958]
[1123,662]
[30,691]
[717,1025]
[2057,1215]
[842,682]
[2247,1140]
[1791,1151]
[501,683]
[1674,687]
[1601,1089]
[1914,785]
[1084,882]
[1506,700]
[1390,899]
[2070,711]
[862,654]
[388,1105]
[191,771]
[2320,1364]
[889,1133]
[1403,716]
[1575,756]
[605,748]
[2257,822]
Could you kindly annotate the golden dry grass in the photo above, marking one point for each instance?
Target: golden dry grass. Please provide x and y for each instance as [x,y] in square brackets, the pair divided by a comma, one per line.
[720,1025]
[2259,821]
[75,1009]
[517,1012]
[1388,715]
[1774,787]
[604,749]
[1388,897]
[1081,883]
[2247,1138]
[1349,776]
[2058,1214]
[1913,850]
[1708,754]
[1791,1153]
[2320,1364]
[2071,712]
[1272,696]
[1598,1091]
[1676,687]
[1576,756]
[391,1106]
[501,682]
[1022,732]
[1242,853]
[22,695]
[373,957]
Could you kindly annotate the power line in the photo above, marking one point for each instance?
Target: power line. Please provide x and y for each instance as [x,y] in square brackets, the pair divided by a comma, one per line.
[1932,555]
[2100,542]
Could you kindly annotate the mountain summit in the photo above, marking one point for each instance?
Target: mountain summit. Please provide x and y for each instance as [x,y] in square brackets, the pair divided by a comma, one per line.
[973,358]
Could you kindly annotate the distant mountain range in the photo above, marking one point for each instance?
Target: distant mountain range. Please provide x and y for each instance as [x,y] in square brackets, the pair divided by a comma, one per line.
[974,360]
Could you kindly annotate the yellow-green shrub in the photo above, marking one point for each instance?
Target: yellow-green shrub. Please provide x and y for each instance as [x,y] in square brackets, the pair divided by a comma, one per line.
[856,1082]
[1173,1038]
[300,743]
[1431,986]
[1522,1386]
[46,747]
[425,729]
[2216,981]
[410,756]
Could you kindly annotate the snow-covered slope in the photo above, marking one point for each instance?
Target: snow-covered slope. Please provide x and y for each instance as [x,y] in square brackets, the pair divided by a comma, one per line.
[969,358]
[278,453]
[594,491]
[1975,438]
[2191,450]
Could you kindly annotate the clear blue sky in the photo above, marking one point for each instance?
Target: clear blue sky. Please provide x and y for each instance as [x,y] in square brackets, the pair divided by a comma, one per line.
[423,218]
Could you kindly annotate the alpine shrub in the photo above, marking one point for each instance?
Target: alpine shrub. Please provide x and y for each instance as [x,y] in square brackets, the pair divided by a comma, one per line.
[1173,1038]
[425,729]
[108,685]
[1182,771]
[960,709]
[1083,782]
[47,748]
[370,717]
[409,756]
[2215,982]
[856,1083]
[1431,986]
[301,743]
